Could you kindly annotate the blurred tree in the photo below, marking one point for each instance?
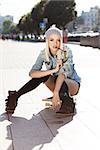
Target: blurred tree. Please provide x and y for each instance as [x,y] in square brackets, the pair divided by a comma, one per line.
[14,29]
[37,15]
[7,27]
[25,24]
[56,12]
[60,12]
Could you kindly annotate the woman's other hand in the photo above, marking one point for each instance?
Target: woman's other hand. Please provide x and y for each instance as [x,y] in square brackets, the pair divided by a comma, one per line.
[58,65]
[56,102]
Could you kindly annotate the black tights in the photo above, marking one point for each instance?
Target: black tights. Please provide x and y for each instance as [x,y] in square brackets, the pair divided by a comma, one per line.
[35,82]
[32,84]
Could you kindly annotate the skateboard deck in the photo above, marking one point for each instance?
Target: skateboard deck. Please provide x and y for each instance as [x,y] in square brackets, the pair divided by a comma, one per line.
[48,104]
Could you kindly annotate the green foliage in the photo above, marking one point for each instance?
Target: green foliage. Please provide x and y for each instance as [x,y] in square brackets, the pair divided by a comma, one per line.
[57,12]
[60,12]
[37,15]
[26,24]
[7,26]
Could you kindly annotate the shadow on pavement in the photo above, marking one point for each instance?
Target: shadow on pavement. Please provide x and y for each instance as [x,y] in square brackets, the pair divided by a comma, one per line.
[37,131]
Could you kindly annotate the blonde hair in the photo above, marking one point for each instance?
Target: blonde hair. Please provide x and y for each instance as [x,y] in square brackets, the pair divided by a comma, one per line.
[47,52]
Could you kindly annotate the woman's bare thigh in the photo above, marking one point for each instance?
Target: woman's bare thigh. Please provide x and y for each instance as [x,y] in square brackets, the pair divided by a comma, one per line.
[50,83]
[73,86]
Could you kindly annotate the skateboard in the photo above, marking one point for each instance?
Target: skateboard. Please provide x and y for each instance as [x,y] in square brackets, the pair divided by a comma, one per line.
[48,104]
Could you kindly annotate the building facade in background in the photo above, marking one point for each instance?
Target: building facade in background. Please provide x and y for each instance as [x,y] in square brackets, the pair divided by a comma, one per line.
[87,21]
[90,20]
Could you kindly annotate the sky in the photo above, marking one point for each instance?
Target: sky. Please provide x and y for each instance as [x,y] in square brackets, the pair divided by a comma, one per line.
[18,8]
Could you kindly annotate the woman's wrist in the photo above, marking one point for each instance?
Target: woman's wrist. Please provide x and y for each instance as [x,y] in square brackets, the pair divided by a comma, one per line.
[54,70]
[56,93]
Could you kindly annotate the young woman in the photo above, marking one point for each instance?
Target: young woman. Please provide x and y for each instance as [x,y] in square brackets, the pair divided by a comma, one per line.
[60,77]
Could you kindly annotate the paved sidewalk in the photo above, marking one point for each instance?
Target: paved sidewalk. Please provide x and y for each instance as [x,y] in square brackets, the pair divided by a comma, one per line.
[33,126]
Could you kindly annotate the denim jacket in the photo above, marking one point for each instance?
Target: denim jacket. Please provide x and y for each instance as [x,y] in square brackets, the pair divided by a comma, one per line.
[67,68]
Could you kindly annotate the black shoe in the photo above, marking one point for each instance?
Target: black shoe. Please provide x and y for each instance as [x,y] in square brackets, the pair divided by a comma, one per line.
[11,102]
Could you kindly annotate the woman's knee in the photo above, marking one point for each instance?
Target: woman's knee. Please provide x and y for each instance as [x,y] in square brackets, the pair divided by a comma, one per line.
[73,87]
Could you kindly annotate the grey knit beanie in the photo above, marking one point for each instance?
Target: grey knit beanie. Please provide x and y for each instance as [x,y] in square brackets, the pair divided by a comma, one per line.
[53,30]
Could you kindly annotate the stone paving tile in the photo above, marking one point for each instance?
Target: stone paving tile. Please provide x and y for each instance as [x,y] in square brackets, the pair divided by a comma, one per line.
[31,132]
[71,132]
[89,116]
[5,131]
